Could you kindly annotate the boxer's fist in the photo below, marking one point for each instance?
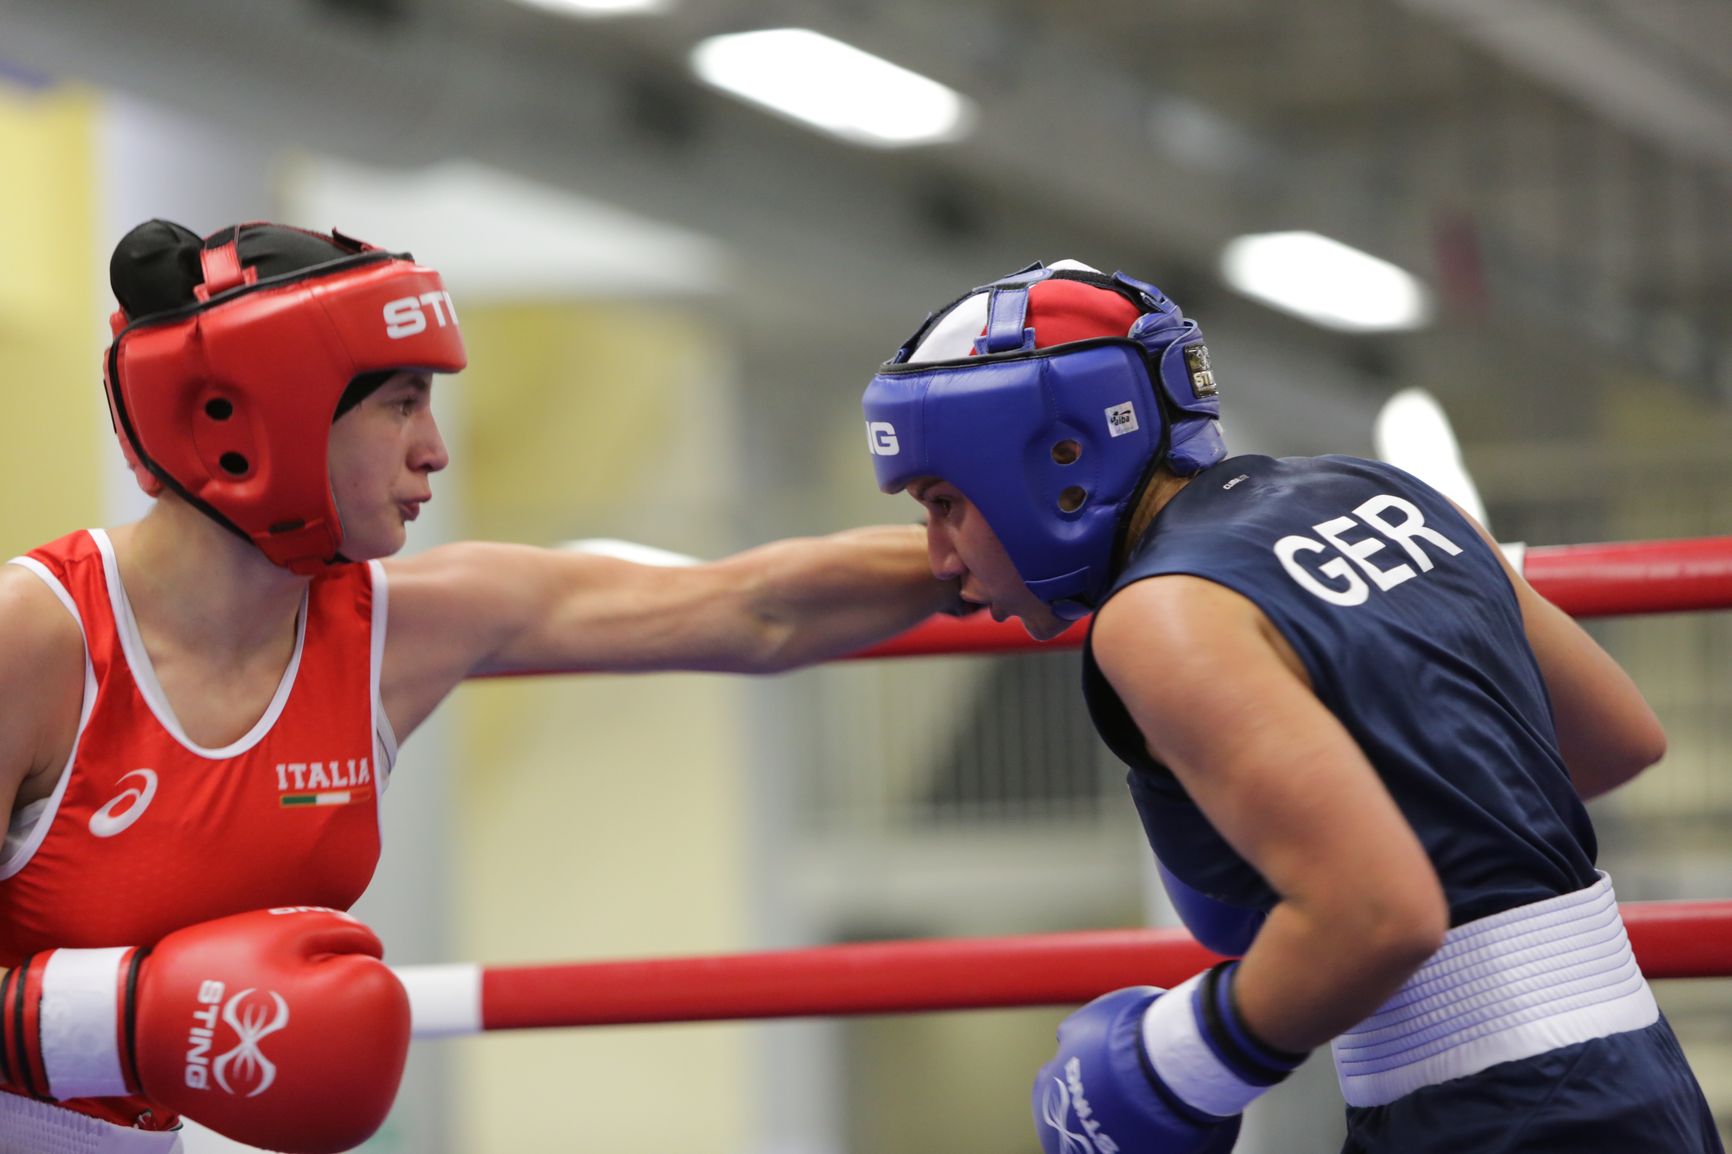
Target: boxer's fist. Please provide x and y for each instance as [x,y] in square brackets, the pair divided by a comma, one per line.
[280,1028]
[1098,1095]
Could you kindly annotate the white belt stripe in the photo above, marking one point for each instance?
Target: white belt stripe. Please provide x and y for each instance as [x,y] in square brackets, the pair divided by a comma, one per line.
[1510,986]
[31,1127]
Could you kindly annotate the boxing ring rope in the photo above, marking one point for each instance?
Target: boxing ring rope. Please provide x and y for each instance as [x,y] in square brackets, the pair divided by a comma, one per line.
[1609,580]
[1671,940]
[1683,939]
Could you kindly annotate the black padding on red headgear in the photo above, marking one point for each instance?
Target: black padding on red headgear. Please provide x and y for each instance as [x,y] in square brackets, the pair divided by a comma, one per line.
[156,267]
[233,353]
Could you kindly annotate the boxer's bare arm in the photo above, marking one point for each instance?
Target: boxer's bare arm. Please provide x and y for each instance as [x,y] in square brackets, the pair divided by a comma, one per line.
[1606,731]
[478,607]
[41,688]
[1284,782]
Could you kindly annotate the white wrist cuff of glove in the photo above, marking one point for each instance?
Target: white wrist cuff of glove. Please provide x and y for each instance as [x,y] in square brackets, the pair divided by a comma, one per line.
[80,1023]
[1194,1051]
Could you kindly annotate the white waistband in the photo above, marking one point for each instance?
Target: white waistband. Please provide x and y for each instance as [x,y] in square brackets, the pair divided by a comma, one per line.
[1510,986]
[31,1127]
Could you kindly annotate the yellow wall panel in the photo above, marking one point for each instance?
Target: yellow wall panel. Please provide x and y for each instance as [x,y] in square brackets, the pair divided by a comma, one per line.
[598,816]
[51,415]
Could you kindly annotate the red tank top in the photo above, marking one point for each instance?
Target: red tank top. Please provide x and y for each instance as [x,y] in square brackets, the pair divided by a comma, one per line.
[147,832]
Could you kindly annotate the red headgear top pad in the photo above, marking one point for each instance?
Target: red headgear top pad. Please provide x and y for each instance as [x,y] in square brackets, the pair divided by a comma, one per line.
[229,401]
[1059,311]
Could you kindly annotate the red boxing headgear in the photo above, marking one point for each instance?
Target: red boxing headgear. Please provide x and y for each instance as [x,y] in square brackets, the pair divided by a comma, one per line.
[229,400]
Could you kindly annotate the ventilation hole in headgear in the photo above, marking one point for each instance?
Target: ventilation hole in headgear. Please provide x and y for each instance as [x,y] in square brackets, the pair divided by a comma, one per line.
[1066,453]
[286,527]
[234,464]
[219,409]
[1072,498]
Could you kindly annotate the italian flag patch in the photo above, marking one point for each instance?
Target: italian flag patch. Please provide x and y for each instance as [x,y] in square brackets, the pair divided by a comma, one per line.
[326,797]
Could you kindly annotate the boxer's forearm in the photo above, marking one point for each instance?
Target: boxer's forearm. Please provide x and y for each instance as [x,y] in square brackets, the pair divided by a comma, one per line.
[1316,971]
[821,597]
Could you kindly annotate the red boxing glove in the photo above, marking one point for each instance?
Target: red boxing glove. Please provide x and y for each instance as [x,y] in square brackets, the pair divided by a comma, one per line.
[279,1028]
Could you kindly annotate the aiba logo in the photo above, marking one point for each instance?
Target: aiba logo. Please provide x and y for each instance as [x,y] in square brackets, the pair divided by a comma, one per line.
[404,317]
[120,811]
[1122,419]
[881,439]
[244,1069]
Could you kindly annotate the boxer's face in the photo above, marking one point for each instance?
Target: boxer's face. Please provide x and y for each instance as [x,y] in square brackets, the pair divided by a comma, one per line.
[383,452]
[961,545]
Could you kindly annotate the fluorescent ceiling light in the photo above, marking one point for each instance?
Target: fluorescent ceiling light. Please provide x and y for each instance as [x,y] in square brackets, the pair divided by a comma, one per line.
[1413,433]
[1325,281]
[808,77]
[602,7]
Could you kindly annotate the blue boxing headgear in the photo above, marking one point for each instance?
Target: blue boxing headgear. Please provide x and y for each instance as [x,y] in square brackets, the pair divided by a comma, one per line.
[994,420]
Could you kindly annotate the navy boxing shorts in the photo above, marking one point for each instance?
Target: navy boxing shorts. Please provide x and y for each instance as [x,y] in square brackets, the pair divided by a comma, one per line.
[1629,1093]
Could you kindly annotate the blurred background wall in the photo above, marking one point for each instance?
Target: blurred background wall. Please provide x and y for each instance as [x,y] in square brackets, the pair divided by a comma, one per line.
[672,299]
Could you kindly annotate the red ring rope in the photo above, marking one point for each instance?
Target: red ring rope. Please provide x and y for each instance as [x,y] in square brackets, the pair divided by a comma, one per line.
[1671,940]
[1607,580]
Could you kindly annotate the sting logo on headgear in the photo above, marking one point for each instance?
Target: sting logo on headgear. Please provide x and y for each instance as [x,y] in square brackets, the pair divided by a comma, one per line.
[1048,398]
[881,439]
[1202,376]
[226,393]
[406,317]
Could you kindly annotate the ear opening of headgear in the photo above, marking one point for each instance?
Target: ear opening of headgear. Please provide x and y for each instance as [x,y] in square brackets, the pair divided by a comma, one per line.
[990,386]
[223,382]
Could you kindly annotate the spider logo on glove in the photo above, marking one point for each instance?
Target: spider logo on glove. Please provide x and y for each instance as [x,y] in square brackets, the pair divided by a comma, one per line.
[252,1022]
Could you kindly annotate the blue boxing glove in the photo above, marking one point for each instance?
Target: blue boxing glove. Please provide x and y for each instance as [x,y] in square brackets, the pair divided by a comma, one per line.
[1139,1071]
[1098,1096]
[1228,930]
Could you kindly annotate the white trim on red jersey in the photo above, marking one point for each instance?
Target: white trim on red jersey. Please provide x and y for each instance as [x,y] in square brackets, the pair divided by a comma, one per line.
[29,824]
[144,672]
[384,737]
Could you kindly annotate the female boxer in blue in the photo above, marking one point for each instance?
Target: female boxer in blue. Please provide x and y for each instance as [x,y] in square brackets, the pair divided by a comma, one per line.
[1359,743]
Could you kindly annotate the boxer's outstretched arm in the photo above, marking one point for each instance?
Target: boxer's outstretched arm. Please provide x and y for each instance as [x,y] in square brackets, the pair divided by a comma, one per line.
[481,607]
[1220,703]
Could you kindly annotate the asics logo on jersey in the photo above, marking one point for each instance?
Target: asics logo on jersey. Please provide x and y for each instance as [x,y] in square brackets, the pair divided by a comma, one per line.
[121,811]
[252,1022]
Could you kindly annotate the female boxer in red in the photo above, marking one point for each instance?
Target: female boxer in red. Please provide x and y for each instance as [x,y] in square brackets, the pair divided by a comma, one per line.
[202,708]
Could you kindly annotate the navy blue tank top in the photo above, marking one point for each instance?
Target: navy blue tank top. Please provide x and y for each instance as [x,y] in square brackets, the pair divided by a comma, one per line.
[1412,637]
